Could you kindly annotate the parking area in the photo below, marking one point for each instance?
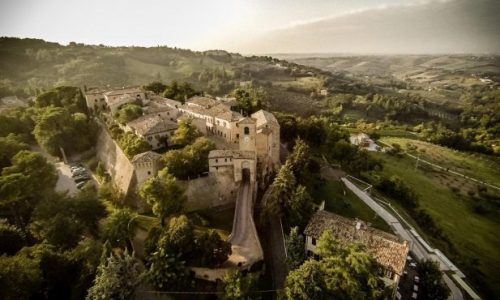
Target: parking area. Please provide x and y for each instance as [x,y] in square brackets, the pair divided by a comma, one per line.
[409,282]
[71,177]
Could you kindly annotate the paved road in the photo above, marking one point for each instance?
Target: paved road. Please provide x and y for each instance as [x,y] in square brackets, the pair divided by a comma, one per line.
[416,247]
[246,248]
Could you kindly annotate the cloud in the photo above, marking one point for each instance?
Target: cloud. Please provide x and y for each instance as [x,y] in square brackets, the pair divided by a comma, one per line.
[453,26]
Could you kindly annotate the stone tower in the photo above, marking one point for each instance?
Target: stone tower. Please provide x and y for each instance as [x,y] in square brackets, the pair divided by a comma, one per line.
[247,133]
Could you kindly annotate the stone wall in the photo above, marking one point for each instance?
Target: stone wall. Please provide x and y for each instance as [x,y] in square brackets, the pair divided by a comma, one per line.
[210,191]
[115,161]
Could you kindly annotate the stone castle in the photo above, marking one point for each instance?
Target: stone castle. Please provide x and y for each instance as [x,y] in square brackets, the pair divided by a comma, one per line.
[246,146]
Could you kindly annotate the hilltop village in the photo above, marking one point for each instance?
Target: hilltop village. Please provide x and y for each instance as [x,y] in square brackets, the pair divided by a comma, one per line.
[247,154]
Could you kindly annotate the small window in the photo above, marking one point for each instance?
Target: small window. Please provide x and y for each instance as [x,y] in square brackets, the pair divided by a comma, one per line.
[225,159]
[216,168]
[247,130]
[237,135]
[216,160]
[149,172]
[313,241]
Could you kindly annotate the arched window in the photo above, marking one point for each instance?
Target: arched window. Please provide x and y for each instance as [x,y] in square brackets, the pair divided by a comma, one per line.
[247,130]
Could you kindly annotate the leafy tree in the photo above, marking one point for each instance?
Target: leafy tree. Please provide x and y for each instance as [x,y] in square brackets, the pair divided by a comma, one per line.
[20,277]
[10,146]
[179,92]
[164,194]
[22,185]
[151,242]
[132,144]
[167,271]
[299,208]
[109,192]
[12,239]
[281,191]
[156,87]
[17,121]
[59,272]
[295,249]
[212,251]
[190,161]
[121,227]
[186,133]
[178,236]
[128,112]
[61,220]
[344,272]
[116,278]
[250,99]
[63,96]
[299,158]
[307,282]
[238,286]
[432,285]
[56,127]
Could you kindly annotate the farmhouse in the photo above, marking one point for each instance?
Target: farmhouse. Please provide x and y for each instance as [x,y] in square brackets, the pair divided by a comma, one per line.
[387,249]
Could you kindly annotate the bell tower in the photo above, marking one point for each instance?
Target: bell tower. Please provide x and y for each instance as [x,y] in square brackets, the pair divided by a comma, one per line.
[247,132]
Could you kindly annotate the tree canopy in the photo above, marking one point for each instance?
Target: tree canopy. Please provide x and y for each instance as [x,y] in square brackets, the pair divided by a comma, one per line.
[164,194]
[343,272]
[186,133]
[128,112]
[117,277]
[190,161]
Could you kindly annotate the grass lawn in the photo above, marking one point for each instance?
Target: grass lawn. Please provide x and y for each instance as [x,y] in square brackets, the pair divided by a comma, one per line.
[217,218]
[478,166]
[340,200]
[475,237]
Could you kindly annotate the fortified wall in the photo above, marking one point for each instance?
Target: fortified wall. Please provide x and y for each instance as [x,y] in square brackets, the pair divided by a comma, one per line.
[115,161]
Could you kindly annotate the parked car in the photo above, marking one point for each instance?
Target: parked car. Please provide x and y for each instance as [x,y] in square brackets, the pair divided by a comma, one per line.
[80,184]
[76,166]
[417,279]
[414,296]
[81,178]
[413,265]
[80,173]
[415,288]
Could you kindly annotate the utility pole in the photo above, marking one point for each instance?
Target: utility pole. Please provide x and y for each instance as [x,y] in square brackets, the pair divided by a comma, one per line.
[416,163]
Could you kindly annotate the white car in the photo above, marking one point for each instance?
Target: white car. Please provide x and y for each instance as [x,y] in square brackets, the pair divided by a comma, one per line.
[413,265]
[417,279]
[414,296]
[415,288]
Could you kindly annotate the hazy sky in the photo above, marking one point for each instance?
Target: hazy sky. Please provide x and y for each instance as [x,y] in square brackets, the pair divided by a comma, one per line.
[236,25]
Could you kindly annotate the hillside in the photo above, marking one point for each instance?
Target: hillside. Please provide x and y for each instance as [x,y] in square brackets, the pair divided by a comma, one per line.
[29,66]
[439,78]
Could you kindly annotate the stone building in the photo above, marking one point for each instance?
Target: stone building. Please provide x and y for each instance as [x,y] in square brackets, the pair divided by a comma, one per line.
[146,165]
[100,99]
[387,249]
[153,129]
